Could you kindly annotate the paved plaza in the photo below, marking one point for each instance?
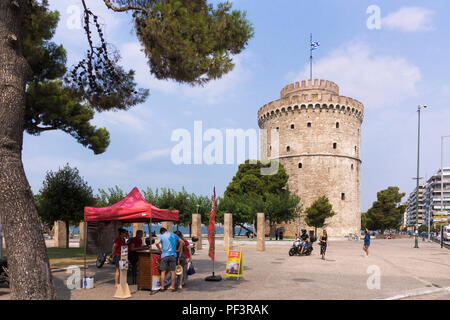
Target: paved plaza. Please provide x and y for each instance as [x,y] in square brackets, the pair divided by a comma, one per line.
[405,273]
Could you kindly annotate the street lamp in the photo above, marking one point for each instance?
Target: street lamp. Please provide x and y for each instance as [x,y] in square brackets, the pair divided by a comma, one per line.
[418,177]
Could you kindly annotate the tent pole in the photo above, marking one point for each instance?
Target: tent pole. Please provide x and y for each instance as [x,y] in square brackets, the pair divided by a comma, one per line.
[151,256]
[85,245]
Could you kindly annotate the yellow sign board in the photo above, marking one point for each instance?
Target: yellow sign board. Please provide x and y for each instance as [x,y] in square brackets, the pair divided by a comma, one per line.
[234,266]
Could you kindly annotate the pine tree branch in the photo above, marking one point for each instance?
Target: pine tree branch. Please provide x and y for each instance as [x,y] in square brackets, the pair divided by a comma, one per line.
[125,8]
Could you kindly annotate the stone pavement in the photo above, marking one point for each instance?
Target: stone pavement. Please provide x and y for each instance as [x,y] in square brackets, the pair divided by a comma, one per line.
[274,275]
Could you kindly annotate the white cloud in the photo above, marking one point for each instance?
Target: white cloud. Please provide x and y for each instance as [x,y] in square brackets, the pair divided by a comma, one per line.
[128,119]
[409,19]
[223,88]
[152,154]
[375,80]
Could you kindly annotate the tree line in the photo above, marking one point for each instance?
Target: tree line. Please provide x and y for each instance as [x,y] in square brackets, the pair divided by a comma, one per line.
[64,194]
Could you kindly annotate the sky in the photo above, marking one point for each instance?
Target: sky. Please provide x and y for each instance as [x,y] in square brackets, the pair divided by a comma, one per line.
[391,64]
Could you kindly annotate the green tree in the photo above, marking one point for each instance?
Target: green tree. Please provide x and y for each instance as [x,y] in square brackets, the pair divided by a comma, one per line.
[387,211]
[187,41]
[63,197]
[186,203]
[244,208]
[318,212]
[365,221]
[280,207]
[423,228]
[110,196]
[249,180]
[251,192]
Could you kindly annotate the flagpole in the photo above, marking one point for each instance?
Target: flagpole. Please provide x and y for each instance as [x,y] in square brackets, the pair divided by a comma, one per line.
[212,239]
[310,57]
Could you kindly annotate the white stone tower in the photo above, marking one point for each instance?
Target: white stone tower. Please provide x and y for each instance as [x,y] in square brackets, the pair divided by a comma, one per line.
[320,147]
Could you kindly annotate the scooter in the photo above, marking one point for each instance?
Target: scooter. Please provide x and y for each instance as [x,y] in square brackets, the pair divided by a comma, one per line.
[297,247]
[194,240]
[4,276]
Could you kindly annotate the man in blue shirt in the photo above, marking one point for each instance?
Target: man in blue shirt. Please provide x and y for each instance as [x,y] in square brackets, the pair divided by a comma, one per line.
[169,243]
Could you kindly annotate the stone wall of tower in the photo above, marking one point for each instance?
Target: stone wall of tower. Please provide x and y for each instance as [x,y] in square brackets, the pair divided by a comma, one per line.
[320,146]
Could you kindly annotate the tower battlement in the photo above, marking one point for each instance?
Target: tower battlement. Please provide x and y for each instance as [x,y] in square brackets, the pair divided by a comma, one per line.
[311,102]
[316,84]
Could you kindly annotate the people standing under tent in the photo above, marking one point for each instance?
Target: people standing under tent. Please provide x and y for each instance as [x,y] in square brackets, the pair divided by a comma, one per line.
[168,244]
[116,252]
[135,245]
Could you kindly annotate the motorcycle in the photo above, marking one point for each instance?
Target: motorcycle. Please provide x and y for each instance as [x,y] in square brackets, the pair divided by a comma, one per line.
[4,276]
[297,247]
[104,257]
[194,240]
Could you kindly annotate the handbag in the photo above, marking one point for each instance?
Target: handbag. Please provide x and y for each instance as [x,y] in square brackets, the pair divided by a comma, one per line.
[191,269]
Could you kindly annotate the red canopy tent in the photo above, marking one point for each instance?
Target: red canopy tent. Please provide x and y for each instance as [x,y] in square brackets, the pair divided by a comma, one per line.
[131,209]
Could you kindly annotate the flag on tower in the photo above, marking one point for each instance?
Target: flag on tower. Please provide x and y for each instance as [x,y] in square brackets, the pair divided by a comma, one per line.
[211,228]
[315,45]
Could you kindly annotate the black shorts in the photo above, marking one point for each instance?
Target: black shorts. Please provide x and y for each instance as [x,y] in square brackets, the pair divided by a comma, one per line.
[323,248]
[168,263]
[116,261]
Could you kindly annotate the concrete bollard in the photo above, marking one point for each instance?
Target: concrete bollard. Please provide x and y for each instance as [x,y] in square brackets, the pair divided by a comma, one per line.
[136,227]
[227,231]
[168,225]
[197,230]
[60,234]
[261,233]
[82,234]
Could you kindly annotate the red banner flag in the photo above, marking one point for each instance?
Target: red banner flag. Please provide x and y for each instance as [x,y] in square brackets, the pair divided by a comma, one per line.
[211,228]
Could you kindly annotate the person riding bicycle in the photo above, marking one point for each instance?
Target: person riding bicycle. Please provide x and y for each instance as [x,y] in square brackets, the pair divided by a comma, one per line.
[305,239]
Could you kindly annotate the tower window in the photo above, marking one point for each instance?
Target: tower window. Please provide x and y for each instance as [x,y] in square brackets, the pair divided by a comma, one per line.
[292,126]
[278,129]
[309,125]
[352,167]
[335,145]
[342,196]
[300,165]
[337,125]
[288,149]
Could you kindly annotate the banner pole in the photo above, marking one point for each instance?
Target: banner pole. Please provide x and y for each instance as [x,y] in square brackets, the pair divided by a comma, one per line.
[151,255]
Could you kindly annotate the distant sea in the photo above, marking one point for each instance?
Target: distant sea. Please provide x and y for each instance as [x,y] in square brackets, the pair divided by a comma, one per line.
[184,230]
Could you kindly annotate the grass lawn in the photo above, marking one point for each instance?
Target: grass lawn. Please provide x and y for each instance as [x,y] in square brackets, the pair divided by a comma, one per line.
[62,258]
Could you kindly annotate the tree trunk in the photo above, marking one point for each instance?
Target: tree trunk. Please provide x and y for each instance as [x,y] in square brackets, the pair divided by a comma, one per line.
[28,262]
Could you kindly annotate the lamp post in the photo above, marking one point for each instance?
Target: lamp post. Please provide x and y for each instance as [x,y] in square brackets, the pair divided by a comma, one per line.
[416,245]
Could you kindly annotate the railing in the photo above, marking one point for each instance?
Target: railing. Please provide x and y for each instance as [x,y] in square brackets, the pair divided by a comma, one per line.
[438,240]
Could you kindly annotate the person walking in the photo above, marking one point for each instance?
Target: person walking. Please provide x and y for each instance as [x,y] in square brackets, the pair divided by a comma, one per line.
[366,242]
[323,244]
[276,233]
